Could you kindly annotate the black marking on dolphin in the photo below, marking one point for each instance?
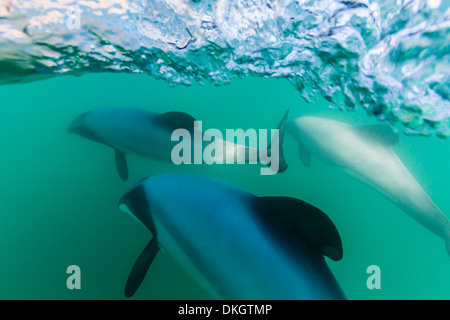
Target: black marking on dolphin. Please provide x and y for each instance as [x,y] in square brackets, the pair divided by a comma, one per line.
[173,120]
[300,223]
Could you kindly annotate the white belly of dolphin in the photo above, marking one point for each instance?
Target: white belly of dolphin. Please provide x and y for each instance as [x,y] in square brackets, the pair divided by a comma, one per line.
[167,243]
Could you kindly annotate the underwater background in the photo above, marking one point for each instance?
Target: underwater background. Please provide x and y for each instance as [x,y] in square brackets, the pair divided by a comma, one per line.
[231,64]
[59,192]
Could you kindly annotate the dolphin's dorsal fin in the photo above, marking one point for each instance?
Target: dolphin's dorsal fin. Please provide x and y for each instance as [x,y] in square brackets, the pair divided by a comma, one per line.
[140,267]
[176,120]
[121,165]
[381,133]
[304,155]
[301,224]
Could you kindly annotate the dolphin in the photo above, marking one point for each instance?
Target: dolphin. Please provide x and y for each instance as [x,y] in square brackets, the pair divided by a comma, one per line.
[148,134]
[234,244]
[365,153]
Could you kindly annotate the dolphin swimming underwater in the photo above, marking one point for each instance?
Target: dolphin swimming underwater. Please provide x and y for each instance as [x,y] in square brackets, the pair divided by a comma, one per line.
[234,244]
[365,153]
[149,134]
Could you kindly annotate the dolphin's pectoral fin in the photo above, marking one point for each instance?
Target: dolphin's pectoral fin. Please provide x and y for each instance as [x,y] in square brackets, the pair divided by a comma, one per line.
[140,267]
[301,224]
[121,165]
[176,120]
[381,133]
[304,154]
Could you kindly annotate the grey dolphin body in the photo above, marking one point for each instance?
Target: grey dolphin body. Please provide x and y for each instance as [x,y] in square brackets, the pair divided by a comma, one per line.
[234,244]
[147,134]
[365,153]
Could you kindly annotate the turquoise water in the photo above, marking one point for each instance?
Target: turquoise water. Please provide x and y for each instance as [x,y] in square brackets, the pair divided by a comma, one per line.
[59,191]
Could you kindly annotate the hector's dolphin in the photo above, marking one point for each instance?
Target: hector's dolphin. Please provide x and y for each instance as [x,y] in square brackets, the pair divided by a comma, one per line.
[236,245]
[149,134]
[365,152]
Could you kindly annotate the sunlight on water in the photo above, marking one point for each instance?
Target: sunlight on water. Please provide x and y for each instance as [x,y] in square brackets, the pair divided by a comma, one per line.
[390,57]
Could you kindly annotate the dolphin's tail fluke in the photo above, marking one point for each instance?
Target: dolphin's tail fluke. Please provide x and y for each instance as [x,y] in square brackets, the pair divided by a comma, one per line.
[281,130]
